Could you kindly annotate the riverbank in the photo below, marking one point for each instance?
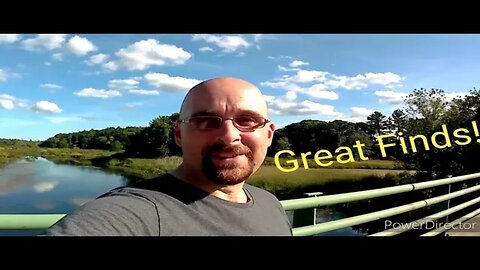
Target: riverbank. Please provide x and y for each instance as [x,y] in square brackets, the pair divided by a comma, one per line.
[355,176]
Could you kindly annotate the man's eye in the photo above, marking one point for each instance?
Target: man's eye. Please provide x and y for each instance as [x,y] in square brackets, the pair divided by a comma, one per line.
[206,122]
[246,121]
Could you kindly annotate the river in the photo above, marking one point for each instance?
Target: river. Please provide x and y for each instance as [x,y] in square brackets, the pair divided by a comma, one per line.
[37,185]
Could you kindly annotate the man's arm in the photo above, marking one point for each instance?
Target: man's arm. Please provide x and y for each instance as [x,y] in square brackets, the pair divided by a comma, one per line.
[119,214]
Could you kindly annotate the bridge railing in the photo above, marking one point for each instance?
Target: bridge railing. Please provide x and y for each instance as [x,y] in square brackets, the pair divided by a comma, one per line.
[304,215]
[304,223]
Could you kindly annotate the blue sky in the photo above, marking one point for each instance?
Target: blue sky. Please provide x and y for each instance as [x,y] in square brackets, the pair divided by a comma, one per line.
[57,83]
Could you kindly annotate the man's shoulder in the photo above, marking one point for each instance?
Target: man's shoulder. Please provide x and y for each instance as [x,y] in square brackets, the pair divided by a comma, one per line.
[164,186]
[256,192]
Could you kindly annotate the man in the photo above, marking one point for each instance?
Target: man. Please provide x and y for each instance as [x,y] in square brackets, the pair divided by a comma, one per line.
[224,134]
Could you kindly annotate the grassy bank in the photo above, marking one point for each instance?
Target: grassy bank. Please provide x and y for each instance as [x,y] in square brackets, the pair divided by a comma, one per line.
[352,176]
[139,168]
[328,181]
[357,164]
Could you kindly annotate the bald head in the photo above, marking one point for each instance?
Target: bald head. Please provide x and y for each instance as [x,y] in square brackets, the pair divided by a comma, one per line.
[228,90]
[225,153]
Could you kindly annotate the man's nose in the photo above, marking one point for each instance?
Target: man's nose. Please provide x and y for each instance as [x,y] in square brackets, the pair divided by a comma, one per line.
[228,133]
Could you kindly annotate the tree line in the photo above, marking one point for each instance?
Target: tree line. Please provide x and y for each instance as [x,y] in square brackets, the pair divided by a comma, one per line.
[153,141]
[424,113]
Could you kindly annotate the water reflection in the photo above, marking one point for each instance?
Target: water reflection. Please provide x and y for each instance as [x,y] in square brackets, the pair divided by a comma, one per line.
[325,215]
[41,186]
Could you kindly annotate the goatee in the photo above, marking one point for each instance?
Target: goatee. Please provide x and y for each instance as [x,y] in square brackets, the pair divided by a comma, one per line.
[228,173]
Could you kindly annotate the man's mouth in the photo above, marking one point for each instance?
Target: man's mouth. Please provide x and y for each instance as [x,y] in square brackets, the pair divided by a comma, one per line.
[226,155]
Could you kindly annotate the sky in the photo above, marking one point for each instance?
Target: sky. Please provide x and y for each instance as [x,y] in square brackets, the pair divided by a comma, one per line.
[61,83]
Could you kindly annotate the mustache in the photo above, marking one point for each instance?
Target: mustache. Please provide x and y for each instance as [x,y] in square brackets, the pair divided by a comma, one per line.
[227,149]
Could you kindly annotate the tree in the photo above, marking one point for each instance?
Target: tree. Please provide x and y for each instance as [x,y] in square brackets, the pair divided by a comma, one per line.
[377,122]
[173,148]
[152,141]
[116,146]
[429,107]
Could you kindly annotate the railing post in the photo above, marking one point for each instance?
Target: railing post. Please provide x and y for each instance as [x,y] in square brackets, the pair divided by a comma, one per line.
[308,216]
[448,202]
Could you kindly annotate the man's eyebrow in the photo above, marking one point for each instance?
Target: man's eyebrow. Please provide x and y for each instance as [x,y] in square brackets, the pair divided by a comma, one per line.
[204,113]
[241,112]
[250,112]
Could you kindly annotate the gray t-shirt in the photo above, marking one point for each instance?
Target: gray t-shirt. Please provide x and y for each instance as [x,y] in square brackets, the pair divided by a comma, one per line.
[169,206]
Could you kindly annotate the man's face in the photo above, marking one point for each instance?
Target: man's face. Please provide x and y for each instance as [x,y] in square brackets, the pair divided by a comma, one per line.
[224,155]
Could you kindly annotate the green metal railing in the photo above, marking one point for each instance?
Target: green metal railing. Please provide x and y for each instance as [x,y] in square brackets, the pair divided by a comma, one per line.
[304,215]
[306,229]
[28,221]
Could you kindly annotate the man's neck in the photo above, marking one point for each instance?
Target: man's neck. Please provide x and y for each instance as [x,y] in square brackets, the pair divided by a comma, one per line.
[232,193]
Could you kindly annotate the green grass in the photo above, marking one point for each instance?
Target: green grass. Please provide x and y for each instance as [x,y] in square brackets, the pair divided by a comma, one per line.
[335,178]
[358,164]
[325,180]
[143,168]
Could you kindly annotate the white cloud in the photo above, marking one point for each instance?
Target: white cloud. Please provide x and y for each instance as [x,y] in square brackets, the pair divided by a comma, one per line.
[286,105]
[60,120]
[325,82]
[3,75]
[9,38]
[258,37]
[298,63]
[98,93]
[123,84]
[282,68]
[9,102]
[280,57]
[51,86]
[320,91]
[291,83]
[143,54]
[80,46]
[144,92]
[357,114]
[450,96]
[290,96]
[47,63]
[360,111]
[44,42]
[282,85]
[110,66]
[362,81]
[333,81]
[97,59]
[206,49]
[241,54]
[168,83]
[132,105]
[23,104]
[5,96]
[228,44]
[44,186]
[46,106]
[6,104]
[306,76]
[57,56]
[391,97]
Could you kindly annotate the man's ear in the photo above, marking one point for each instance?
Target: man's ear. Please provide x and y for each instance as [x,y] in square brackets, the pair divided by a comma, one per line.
[271,129]
[178,134]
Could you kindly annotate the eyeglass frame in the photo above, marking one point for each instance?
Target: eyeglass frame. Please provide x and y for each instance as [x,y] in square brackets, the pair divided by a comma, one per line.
[265,122]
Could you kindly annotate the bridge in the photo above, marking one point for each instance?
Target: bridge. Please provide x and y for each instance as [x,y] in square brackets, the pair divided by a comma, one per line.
[436,223]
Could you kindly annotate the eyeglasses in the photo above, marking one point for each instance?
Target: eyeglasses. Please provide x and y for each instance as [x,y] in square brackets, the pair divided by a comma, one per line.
[242,123]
